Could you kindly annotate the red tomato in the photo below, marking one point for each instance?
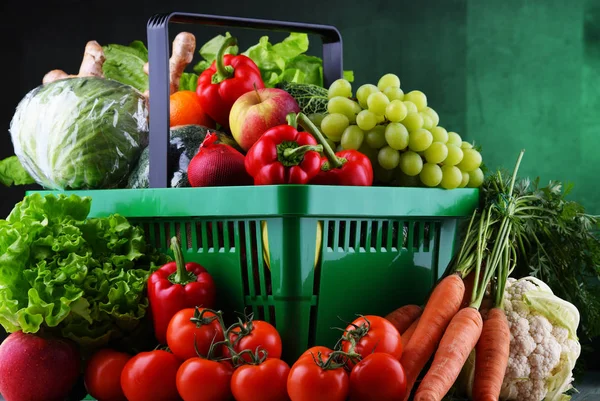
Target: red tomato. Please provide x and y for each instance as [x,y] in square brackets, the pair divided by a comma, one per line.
[378,377]
[307,381]
[183,331]
[379,336]
[102,376]
[263,335]
[150,376]
[201,379]
[269,379]
[325,352]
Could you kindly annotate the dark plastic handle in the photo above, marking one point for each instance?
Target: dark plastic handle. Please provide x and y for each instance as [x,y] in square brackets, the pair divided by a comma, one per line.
[158,57]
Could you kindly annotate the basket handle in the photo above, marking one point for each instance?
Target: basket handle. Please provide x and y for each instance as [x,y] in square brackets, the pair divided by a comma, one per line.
[158,57]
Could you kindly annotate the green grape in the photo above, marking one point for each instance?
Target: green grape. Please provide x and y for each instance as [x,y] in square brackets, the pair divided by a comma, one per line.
[451,177]
[436,153]
[466,145]
[396,111]
[410,106]
[410,163]
[388,81]
[363,92]
[333,126]
[433,114]
[427,121]
[352,138]
[394,94]
[316,118]
[418,98]
[419,140]
[431,175]
[380,118]
[470,161]
[340,87]
[377,103]
[413,121]
[439,134]
[465,179]
[475,178]
[366,120]
[396,135]
[454,139]
[345,106]
[375,138]
[388,158]
[455,155]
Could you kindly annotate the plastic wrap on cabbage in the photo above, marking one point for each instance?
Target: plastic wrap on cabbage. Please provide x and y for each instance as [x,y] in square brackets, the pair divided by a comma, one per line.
[80,133]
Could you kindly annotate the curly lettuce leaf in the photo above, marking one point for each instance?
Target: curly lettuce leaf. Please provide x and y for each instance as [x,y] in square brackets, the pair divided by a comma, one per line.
[61,270]
[209,52]
[188,81]
[126,64]
[13,173]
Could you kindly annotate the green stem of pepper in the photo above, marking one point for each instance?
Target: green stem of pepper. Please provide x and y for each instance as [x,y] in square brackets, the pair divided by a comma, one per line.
[334,161]
[181,275]
[223,71]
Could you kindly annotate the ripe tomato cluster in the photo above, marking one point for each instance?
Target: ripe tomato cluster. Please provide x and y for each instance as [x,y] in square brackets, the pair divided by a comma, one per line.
[205,361]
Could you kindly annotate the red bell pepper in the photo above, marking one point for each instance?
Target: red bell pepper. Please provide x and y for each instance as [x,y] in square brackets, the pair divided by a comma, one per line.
[284,155]
[347,167]
[176,286]
[228,78]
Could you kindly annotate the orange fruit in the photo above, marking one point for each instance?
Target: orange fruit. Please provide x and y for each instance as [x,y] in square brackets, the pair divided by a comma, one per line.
[186,109]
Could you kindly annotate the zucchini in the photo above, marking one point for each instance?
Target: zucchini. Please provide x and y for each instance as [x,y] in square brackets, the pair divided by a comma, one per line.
[184,142]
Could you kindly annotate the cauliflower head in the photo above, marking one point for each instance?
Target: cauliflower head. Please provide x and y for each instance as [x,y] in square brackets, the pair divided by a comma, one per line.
[543,344]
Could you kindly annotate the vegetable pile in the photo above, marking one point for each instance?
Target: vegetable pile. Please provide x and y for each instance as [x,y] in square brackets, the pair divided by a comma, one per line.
[510,319]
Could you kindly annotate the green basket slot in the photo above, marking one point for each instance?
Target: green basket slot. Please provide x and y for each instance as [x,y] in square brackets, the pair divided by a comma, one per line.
[375,248]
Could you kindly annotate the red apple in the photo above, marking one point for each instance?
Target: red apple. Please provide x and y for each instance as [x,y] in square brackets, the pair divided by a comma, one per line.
[33,367]
[256,111]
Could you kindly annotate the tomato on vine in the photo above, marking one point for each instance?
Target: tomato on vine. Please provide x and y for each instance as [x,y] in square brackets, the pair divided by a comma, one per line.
[371,334]
[151,376]
[200,379]
[252,335]
[263,375]
[380,377]
[194,329]
[102,376]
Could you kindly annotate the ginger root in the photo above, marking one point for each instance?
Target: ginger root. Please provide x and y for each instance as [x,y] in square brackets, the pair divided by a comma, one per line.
[91,66]
[184,46]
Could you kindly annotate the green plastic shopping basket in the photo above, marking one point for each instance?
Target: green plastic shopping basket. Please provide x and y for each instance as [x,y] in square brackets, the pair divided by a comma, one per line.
[303,257]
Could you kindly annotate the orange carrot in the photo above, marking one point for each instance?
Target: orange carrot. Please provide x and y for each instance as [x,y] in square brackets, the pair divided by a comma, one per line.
[409,332]
[404,316]
[441,307]
[458,341]
[491,356]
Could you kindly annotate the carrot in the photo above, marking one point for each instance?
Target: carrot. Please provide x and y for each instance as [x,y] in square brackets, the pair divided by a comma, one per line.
[409,332]
[491,356]
[441,307]
[458,341]
[404,316]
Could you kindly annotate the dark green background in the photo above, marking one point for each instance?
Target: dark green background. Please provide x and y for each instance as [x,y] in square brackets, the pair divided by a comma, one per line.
[507,74]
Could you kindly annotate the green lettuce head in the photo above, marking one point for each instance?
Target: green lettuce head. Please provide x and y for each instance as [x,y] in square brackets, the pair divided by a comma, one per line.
[80,133]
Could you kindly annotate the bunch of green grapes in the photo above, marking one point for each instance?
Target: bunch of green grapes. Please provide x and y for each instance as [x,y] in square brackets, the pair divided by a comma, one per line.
[401,135]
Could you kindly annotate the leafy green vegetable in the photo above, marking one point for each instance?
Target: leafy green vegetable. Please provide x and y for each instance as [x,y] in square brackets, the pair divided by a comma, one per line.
[13,173]
[125,64]
[312,99]
[59,270]
[188,82]
[80,133]
[284,61]
[209,52]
